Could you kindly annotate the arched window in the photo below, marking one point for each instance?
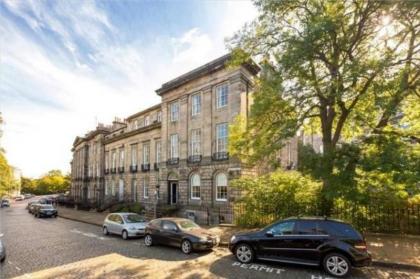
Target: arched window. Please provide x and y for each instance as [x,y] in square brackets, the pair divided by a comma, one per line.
[195,186]
[221,187]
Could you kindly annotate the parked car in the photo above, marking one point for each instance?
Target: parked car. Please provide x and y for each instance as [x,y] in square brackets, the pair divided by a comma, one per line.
[27,196]
[44,210]
[125,224]
[332,244]
[19,198]
[179,232]
[2,250]
[4,203]
[30,206]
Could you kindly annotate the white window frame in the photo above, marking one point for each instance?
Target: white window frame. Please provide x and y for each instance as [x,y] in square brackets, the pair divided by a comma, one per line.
[159,116]
[196,104]
[195,142]
[222,95]
[194,184]
[158,152]
[174,146]
[133,154]
[121,158]
[147,121]
[221,186]
[146,153]
[145,188]
[174,111]
[114,159]
[222,140]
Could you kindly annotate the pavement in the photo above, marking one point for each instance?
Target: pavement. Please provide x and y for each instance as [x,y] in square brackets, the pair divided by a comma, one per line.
[62,248]
[400,251]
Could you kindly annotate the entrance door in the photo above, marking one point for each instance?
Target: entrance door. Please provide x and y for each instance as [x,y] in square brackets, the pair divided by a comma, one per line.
[173,192]
[121,190]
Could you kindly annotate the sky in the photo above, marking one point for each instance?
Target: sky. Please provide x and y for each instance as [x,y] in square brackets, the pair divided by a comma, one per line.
[67,65]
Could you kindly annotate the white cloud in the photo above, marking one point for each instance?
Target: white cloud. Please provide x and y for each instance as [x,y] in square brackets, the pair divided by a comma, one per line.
[49,95]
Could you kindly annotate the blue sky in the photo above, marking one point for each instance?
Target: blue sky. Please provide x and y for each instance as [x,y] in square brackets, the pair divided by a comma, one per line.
[66,65]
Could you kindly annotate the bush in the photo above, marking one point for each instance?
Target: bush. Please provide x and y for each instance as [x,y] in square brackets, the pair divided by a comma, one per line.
[134,207]
[274,196]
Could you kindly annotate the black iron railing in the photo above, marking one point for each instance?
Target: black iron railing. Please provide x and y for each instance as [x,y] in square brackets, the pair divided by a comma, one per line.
[133,168]
[145,167]
[173,161]
[220,156]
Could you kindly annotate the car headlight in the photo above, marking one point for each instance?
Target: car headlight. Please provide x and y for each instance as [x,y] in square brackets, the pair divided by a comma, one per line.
[232,239]
[203,239]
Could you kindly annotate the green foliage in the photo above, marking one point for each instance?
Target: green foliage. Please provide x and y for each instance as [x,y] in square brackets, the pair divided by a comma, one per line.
[6,176]
[134,207]
[334,66]
[52,182]
[269,196]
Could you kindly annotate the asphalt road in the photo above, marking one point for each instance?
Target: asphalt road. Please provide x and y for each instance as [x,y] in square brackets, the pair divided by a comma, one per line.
[60,248]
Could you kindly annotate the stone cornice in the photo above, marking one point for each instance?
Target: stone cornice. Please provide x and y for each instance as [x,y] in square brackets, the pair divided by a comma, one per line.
[134,132]
[213,66]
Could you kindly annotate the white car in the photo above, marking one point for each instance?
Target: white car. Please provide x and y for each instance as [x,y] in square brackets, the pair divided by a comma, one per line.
[125,224]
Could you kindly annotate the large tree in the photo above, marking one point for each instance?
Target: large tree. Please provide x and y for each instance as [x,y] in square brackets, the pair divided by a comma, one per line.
[346,67]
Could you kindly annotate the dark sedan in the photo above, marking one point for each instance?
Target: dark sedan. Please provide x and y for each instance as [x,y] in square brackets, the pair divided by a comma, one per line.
[179,232]
[332,244]
[44,210]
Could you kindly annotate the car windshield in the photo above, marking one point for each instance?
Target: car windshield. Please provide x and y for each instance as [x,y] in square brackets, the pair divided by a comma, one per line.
[188,225]
[133,218]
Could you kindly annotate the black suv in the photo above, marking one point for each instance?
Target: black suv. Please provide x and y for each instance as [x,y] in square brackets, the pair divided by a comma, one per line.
[335,245]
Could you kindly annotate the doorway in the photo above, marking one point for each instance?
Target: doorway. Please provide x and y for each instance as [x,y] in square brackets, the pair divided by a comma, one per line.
[172,192]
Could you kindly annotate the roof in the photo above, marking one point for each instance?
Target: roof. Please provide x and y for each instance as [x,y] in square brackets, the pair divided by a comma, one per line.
[203,70]
[319,218]
[143,111]
[174,219]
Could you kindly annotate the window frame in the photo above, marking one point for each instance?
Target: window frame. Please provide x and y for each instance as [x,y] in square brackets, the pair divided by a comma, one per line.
[192,186]
[145,186]
[224,139]
[158,151]
[196,106]
[172,146]
[146,155]
[133,151]
[220,186]
[219,95]
[195,140]
[174,114]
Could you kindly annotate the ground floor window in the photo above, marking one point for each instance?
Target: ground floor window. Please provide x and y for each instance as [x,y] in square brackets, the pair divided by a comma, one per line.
[145,188]
[221,187]
[195,186]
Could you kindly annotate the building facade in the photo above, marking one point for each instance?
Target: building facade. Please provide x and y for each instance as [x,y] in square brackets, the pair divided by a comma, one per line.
[174,155]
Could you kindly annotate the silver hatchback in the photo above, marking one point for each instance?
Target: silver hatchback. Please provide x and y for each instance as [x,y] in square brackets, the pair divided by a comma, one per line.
[125,224]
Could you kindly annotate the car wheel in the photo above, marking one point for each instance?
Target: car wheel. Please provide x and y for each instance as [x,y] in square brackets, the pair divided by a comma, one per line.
[186,246]
[124,235]
[244,253]
[105,231]
[336,265]
[148,241]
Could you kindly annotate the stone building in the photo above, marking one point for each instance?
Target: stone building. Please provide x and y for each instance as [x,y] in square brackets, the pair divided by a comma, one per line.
[174,156]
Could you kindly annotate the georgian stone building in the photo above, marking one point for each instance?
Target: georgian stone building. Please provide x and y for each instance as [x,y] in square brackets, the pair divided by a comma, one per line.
[173,155]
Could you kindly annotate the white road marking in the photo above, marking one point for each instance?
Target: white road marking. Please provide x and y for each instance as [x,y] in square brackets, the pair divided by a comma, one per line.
[18,268]
[92,235]
[9,262]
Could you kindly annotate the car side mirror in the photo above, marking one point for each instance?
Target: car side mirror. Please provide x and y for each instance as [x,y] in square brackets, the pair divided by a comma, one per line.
[269,234]
[175,230]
